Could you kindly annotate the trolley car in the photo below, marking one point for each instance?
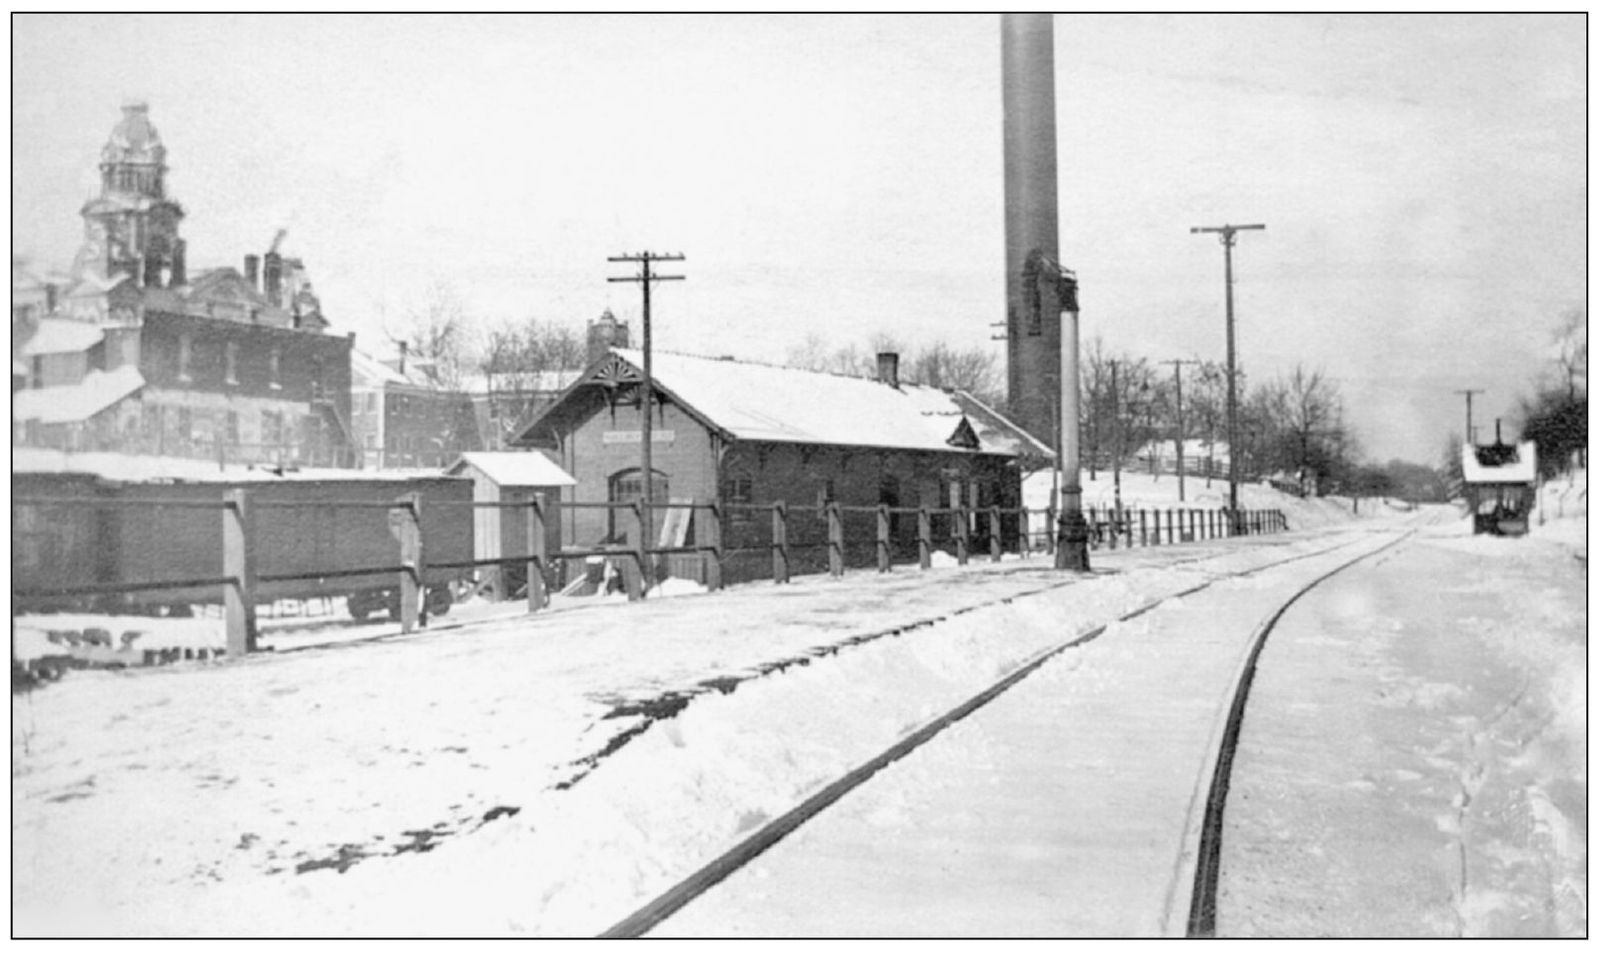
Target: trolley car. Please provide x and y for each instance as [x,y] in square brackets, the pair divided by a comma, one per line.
[1500,485]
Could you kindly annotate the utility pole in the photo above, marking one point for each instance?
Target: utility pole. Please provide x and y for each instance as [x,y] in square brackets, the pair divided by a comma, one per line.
[1469,420]
[1115,431]
[646,278]
[1177,379]
[1227,231]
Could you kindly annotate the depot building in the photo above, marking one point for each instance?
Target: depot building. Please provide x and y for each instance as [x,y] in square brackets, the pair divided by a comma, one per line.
[740,435]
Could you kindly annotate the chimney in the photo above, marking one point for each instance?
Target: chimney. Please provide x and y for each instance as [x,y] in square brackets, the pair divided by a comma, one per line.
[250,270]
[402,356]
[177,265]
[890,368]
[50,299]
[1498,429]
[273,278]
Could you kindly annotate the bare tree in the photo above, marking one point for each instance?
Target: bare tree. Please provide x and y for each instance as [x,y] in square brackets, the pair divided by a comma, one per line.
[437,336]
[1571,346]
[522,367]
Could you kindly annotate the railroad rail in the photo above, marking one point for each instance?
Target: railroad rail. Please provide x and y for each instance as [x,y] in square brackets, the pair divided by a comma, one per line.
[1207,798]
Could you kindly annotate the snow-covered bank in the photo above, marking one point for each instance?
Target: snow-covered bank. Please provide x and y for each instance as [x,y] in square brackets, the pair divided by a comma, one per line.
[1140,491]
[184,800]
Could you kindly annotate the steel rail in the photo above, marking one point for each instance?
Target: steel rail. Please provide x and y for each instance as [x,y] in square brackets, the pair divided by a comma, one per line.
[1207,871]
[649,915]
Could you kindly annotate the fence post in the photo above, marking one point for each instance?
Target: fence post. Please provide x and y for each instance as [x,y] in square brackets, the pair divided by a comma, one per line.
[836,541]
[1024,532]
[996,533]
[1048,529]
[636,579]
[1182,526]
[410,515]
[1157,527]
[883,538]
[924,541]
[537,592]
[712,571]
[779,541]
[960,533]
[241,629]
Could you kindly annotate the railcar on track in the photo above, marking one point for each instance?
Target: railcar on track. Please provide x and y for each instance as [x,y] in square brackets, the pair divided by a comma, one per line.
[83,542]
[1500,486]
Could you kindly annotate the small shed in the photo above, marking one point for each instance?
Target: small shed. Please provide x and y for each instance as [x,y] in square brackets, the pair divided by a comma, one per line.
[503,532]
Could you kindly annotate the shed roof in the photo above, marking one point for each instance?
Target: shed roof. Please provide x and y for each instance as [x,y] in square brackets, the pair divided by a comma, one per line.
[514,468]
[1521,466]
[753,401]
[64,404]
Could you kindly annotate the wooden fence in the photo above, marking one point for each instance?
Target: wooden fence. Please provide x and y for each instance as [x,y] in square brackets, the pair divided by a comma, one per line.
[896,534]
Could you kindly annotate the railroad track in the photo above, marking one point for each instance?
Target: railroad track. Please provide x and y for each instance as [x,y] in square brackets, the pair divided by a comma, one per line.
[1206,871]
[1208,798]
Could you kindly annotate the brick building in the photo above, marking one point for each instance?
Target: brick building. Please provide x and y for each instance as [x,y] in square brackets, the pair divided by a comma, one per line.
[740,433]
[130,352]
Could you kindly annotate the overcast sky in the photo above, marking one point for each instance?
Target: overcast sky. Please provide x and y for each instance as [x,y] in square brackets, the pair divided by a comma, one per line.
[1422,178]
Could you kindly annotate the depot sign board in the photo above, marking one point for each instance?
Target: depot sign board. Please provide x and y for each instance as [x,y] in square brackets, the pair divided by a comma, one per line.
[632,438]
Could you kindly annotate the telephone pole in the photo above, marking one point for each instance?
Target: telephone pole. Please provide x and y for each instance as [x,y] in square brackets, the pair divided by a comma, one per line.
[1227,231]
[1177,378]
[646,278]
[1469,421]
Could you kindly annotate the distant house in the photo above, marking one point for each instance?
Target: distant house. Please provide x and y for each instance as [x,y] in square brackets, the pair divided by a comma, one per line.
[742,434]
[401,419]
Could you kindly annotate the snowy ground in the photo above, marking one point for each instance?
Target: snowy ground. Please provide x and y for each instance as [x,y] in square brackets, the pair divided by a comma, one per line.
[1414,760]
[529,774]
[188,799]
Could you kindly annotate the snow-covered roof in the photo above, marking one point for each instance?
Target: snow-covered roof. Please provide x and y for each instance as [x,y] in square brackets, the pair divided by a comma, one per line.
[62,336]
[1166,449]
[119,467]
[65,404]
[997,432]
[1522,466]
[754,401]
[514,468]
[368,372]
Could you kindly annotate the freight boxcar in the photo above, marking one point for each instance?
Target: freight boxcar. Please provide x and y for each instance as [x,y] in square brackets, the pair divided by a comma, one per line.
[82,542]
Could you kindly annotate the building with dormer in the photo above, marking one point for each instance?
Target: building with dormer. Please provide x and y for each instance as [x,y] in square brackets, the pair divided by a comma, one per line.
[135,351]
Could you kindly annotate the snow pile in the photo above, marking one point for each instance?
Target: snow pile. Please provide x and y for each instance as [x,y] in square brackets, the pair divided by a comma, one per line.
[1562,511]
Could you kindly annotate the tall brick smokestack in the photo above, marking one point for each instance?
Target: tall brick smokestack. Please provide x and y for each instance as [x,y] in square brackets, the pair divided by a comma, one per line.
[1030,217]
